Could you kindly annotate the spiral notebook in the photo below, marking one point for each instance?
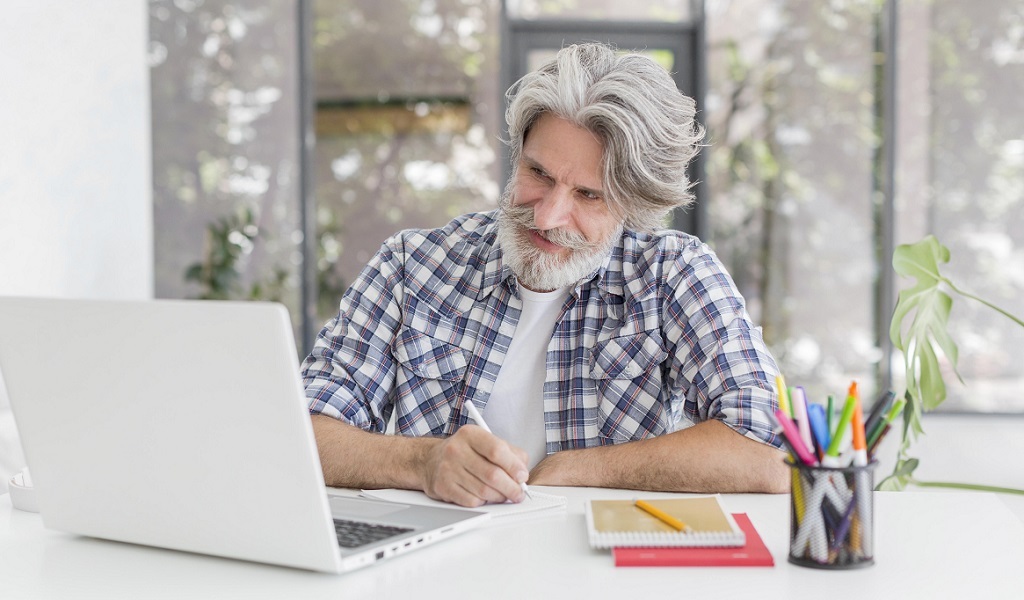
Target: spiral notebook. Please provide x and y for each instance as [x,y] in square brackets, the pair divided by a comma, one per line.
[753,554]
[620,523]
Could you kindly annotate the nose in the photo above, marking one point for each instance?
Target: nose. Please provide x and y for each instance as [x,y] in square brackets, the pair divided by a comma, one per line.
[554,209]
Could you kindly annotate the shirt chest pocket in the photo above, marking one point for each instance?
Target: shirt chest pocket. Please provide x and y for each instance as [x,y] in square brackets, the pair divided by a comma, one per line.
[429,375]
[627,375]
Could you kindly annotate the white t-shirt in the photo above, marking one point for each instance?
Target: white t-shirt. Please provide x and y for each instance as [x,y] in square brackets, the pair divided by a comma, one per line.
[515,410]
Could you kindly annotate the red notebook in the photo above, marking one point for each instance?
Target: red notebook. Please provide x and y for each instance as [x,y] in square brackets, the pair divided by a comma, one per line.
[753,554]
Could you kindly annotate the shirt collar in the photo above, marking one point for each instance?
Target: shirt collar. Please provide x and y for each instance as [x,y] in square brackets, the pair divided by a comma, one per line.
[495,271]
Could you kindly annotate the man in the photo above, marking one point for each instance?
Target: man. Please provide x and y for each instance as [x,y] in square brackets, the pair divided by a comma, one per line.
[600,352]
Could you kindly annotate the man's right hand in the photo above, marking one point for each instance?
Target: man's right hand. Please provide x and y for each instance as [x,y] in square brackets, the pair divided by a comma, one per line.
[474,467]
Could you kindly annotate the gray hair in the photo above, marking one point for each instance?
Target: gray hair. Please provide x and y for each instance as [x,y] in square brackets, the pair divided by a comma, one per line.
[631,104]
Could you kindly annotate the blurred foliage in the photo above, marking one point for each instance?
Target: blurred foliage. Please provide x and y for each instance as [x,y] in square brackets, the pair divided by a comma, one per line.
[229,240]
[789,128]
[330,283]
[225,150]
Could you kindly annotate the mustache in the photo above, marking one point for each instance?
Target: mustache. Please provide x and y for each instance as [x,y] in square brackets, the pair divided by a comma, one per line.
[523,217]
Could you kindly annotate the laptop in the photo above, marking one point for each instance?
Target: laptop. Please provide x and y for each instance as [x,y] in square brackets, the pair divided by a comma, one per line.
[184,425]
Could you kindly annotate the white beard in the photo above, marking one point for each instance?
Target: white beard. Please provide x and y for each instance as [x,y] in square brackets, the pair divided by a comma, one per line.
[541,271]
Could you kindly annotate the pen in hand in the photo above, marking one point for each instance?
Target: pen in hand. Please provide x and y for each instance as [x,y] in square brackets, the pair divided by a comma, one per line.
[476,416]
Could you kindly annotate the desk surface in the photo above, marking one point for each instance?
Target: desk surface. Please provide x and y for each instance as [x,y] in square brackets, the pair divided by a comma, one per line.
[942,545]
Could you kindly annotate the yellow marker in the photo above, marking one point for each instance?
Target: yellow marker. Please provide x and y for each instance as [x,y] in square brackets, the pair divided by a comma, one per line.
[780,385]
[662,516]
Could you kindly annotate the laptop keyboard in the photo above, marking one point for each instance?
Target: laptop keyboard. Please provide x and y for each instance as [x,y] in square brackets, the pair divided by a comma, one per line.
[352,534]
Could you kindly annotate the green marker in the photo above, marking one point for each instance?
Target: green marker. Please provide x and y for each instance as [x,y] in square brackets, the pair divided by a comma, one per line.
[882,424]
[897,407]
[832,456]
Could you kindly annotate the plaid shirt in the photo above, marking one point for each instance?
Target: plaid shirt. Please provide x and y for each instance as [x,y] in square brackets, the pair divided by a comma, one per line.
[656,340]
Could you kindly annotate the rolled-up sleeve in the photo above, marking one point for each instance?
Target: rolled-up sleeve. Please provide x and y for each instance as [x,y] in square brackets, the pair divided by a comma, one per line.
[721,367]
[350,372]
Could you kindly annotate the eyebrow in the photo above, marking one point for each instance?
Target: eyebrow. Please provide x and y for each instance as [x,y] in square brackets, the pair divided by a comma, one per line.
[533,163]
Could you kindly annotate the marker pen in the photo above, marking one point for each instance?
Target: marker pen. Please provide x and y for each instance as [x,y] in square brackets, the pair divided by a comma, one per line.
[862,478]
[860,445]
[798,400]
[819,428]
[877,413]
[832,456]
[780,387]
[789,431]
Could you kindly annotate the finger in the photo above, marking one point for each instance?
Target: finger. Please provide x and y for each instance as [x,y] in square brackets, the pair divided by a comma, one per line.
[486,492]
[512,459]
[453,482]
[494,484]
[484,479]
[500,468]
[494,449]
[450,493]
[465,497]
[464,476]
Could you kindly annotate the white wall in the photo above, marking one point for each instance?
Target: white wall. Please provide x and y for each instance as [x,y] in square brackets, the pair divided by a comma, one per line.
[75,159]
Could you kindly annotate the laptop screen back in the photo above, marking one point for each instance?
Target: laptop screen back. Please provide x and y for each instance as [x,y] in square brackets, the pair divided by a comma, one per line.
[179,424]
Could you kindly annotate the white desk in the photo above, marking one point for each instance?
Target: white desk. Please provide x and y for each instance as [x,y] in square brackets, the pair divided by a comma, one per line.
[928,545]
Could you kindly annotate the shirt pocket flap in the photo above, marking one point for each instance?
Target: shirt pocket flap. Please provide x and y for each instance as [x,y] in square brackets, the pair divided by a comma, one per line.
[628,356]
[428,357]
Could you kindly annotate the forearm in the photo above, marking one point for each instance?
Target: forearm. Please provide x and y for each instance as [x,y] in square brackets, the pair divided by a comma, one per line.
[706,458]
[353,458]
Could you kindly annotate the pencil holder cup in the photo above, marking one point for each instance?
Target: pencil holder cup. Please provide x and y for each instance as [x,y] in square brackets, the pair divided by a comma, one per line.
[831,516]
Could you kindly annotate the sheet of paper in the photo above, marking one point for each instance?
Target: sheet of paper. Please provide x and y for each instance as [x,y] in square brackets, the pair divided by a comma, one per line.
[541,503]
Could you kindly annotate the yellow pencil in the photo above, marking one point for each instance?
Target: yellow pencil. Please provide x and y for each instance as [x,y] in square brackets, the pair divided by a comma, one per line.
[662,516]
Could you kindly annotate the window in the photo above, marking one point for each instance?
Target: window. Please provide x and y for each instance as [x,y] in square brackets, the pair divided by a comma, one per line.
[795,100]
[408,120]
[960,175]
[408,117]
[225,151]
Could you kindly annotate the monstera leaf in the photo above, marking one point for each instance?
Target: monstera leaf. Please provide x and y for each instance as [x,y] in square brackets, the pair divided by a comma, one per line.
[926,306]
[919,330]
